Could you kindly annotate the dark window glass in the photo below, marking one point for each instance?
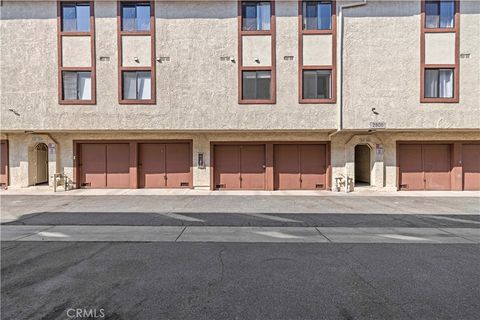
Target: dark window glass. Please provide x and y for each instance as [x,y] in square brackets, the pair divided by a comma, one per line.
[256,16]
[439,14]
[137,85]
[317,84]
[438,83]
[317,15]
[135,16]
[77,85]
[76,17]
[256,85]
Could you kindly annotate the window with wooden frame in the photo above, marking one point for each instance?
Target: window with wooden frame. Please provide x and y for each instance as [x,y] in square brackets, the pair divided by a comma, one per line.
[439,74]
[317,29]
[136,76]
[76,52]
[256,77]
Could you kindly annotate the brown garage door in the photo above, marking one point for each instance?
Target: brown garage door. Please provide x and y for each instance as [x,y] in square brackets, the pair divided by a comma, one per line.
[300,166]
[425,166]
[163,165]
[105,165]
[239,167]
[471,166]
[4,164]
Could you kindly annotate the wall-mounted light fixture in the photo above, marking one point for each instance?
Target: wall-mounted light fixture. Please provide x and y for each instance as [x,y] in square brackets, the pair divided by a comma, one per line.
[136,59]
[257,60]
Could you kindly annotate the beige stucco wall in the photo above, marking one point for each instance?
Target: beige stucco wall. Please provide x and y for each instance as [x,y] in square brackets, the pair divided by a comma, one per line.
[136,47]
[195,89]
[440,48]
[382,69]
[76,51]
[317,50]
[257,47]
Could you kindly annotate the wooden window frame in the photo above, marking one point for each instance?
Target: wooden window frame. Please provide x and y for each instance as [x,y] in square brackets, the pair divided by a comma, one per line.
[332,68]
[272,68]
[121,68]
[61,68]
[455,66]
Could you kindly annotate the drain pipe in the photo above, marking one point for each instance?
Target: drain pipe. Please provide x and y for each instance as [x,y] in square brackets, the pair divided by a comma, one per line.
[340,77]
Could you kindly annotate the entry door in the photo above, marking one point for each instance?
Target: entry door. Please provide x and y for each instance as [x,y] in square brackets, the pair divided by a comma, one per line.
[42,163]
[3,164]
[471,166]
[151,165]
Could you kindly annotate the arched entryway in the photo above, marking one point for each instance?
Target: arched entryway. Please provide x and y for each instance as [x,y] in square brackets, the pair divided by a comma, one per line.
[41,163]
[362,165]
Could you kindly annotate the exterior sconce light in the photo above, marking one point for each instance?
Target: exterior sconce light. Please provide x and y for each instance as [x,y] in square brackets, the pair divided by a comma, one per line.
[257,60]
[136,59]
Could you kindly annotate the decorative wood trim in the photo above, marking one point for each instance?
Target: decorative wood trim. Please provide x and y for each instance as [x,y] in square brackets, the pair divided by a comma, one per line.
[455,67]
[61,68]
[272,68]
[151,69]
[333,67]
[7,169]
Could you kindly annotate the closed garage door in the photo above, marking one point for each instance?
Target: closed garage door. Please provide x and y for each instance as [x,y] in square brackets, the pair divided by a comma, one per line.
[105,165]
[471,166]
[239,167]
[300,166]
[425,166]
[163,165]
[4,164]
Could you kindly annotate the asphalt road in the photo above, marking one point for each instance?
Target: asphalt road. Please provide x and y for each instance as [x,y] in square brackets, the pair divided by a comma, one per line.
[240,281]
[225,280]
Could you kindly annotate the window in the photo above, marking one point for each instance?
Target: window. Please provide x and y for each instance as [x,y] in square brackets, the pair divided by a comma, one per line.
[135,17]
[137,85]
[75,17]
[438,83]
[77,85]
[256,16]
[439,14]
[317,15]
[256,85]
[317,84]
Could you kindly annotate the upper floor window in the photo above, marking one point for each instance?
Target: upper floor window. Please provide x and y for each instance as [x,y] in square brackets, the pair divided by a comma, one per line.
[77,85]
[75,17]
[317,15]
[317,84]
[137,85]
[256,16]
[136,16]
[439,83]
[439,14]
[256,85]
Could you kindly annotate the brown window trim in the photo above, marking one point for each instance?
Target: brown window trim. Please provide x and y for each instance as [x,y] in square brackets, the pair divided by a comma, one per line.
[271,68]
[333,67]
[455,67]
[92,69]
[121,68]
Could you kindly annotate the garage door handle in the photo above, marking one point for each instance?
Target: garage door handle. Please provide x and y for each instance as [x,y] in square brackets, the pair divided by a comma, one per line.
[264,166]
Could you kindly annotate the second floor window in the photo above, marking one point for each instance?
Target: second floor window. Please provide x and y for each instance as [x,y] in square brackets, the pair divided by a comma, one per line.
[439,14]
[256,85]
[136,16]
[438,83]
[77,85]
[317,15]
[255,16]
[137,85]
[317,84]
[75,17]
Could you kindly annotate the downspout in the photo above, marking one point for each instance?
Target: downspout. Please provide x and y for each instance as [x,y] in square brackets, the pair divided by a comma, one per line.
[340,77]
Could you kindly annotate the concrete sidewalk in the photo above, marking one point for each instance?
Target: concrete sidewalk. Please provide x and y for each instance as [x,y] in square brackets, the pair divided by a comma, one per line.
[360,192]
[240,234]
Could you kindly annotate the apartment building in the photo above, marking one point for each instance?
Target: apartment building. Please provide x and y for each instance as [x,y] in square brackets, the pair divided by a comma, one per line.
[251,95]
